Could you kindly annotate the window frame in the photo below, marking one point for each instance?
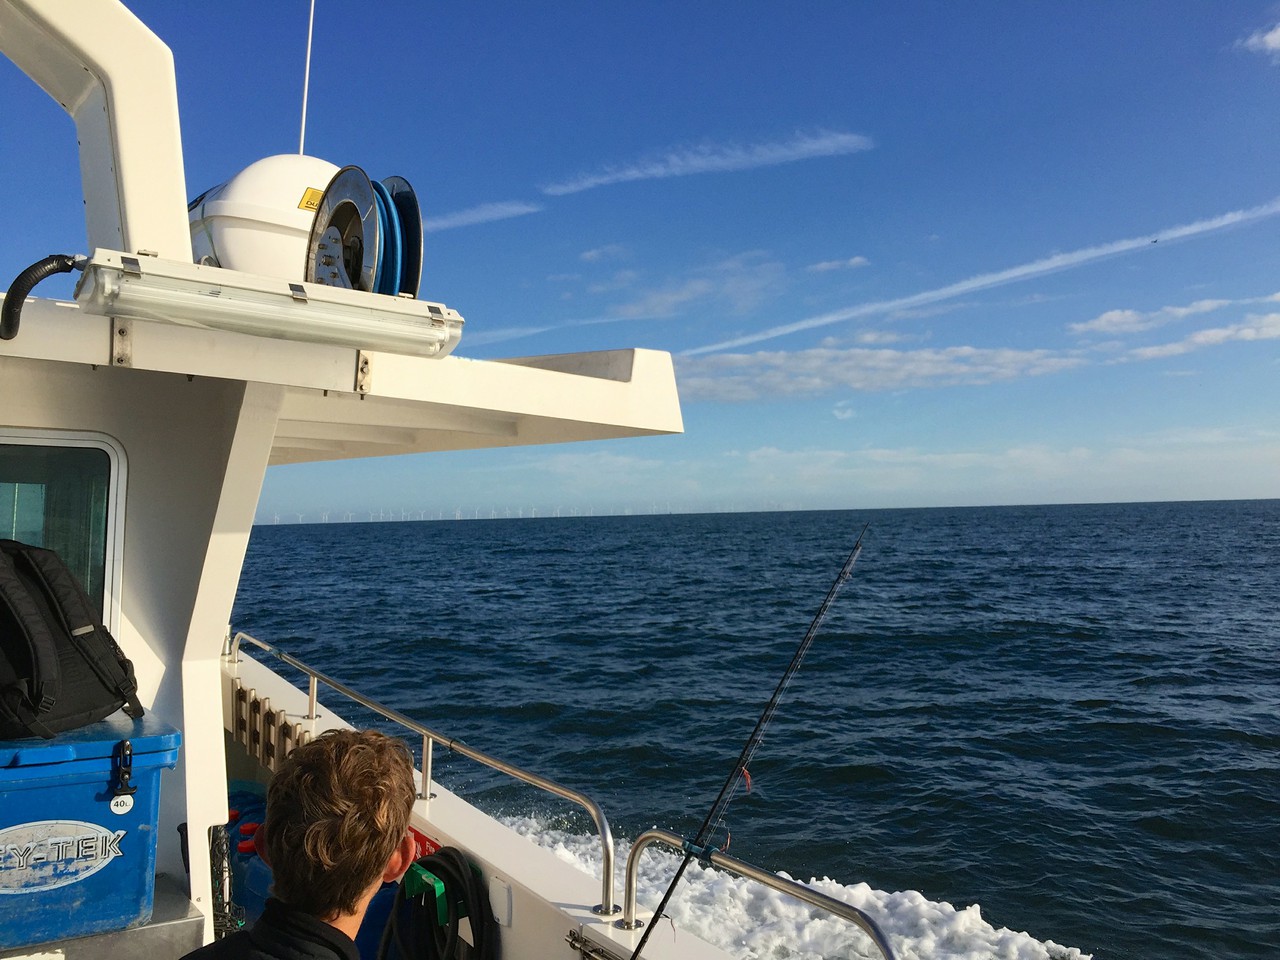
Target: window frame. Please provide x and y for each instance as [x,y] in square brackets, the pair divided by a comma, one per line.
[113,561]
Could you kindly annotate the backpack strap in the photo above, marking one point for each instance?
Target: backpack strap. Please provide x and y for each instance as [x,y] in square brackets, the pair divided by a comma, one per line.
[82,625]
[24,700]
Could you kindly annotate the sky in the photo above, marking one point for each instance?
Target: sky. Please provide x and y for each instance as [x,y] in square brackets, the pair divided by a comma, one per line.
[907,254]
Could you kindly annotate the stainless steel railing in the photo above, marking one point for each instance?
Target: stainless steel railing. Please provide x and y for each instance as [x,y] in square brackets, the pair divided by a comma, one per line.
[743,869]
[430,736]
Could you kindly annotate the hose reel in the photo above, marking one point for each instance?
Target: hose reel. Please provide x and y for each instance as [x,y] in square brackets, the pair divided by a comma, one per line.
[274,218]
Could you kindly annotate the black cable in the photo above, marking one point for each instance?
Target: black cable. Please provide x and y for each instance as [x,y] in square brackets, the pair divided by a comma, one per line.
[413,927]
[20,289]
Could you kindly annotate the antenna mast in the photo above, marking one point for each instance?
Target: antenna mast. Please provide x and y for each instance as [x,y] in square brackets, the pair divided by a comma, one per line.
[306,79]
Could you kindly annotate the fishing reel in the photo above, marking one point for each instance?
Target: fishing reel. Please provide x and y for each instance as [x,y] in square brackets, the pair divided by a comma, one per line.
[301,218]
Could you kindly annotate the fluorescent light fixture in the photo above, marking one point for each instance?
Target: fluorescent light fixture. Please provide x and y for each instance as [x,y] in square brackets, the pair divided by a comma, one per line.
[170,291]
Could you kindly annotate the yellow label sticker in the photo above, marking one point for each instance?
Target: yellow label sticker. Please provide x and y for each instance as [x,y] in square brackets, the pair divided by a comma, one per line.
[311,199]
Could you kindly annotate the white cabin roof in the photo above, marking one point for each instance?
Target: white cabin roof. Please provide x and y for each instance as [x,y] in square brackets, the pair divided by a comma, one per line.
[404,405]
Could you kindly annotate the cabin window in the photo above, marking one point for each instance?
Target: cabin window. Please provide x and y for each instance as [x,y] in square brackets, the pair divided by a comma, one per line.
[60,494]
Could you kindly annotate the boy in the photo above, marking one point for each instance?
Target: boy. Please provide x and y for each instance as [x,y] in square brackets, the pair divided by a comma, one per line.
[337,828]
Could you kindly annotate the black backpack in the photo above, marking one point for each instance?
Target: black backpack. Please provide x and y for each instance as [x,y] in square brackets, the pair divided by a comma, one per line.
[59,667]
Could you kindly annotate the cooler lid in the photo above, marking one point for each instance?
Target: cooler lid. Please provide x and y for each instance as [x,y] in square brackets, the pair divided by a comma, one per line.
[148,735]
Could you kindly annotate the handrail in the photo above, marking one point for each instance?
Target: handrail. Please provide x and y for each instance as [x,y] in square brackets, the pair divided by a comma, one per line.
[744,869]
[606,905]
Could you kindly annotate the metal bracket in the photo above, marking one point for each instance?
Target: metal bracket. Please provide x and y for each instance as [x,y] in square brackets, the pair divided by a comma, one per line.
[130,266]
[268,728]
[587,949]
[255,727]
[241,713]
[121,342]
[364,372]
[124,770]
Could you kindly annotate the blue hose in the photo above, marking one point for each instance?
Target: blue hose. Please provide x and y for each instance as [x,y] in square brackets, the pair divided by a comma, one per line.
[390,252]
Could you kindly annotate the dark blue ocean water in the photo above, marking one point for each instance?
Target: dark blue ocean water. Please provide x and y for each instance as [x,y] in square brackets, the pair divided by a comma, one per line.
[1068,714]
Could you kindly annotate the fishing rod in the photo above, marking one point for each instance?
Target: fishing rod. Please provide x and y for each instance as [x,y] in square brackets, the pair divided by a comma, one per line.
[699,846]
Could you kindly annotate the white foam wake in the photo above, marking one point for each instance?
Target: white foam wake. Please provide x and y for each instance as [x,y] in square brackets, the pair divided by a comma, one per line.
[753,922]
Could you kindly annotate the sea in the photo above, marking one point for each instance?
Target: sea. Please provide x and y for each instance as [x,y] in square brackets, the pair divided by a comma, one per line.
[1021,732]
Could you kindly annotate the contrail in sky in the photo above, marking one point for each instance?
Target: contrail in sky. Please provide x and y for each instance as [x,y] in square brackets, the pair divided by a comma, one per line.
[985,281]
[485,213]
[711,158]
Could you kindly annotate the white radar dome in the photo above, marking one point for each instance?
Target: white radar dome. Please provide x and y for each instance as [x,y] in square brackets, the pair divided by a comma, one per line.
[260,219]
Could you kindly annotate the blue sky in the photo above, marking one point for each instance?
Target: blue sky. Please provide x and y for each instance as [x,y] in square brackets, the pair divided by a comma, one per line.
[905,254]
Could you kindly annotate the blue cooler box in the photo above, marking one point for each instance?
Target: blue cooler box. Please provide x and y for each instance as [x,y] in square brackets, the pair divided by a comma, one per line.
[77,849]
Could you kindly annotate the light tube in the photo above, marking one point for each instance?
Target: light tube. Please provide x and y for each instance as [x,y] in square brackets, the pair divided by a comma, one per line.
[169,291]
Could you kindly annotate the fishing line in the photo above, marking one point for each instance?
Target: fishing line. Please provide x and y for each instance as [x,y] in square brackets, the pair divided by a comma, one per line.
[699,846]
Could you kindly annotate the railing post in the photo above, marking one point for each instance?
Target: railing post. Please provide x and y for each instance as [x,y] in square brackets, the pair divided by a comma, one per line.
[805,894]
[425,793]
[629,921]
[311,698]
[606,907]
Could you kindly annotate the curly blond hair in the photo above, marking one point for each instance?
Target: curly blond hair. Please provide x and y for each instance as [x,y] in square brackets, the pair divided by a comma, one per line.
[336,811]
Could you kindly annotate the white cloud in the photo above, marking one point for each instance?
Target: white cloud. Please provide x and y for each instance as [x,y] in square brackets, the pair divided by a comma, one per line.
[826,266]
[610,251]
[877,338]
[1114,321]
[483,337]
[1227,462]
[717,158]
[667,300]
[740,283]
[1205,437]
[931,310]
[903,474]
[593,465]
[1264,41]
[745,377]
[745,280]
[485,213]
[621,280]
[1134,321]
[1201,306]
[500,334]
[1265,327]
[985,281]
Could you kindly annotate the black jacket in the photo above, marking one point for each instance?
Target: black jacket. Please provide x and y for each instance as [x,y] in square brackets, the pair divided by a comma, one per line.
[281,933]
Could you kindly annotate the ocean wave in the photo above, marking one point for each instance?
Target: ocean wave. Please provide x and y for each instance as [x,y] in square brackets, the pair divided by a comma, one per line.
[753,922]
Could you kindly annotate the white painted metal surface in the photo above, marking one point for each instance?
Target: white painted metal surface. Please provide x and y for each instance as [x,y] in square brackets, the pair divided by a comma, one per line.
[411,404]
[115,77]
